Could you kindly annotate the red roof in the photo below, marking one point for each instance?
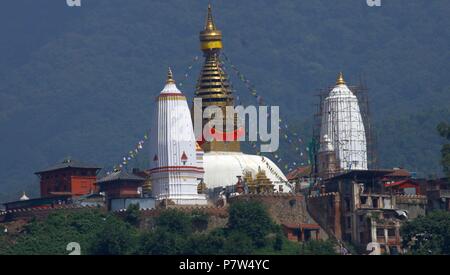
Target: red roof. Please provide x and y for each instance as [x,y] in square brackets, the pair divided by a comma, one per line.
[399,173]
[301,171]
[403,183]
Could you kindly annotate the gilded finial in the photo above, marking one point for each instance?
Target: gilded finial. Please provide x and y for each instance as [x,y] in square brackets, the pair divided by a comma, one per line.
[340,79]
[170,77]
[209,26]
[210,36]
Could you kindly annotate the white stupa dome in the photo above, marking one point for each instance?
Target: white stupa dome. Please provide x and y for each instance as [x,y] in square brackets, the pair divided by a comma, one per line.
[222,168]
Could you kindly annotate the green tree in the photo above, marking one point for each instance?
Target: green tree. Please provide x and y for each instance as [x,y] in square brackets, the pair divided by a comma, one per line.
[175,221]
[238,243]
[115,238]
[163,242]
[199,220]
[171,236]
[133,215]
[51,236]
[278,244]
[318,247]
[428,234]
[207,244]
[252,219]
[444,130]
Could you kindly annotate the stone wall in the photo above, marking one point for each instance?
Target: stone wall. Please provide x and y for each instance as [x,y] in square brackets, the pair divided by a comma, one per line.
[28,214]
[218,216]
[284,208]
[414,204]
[326,210]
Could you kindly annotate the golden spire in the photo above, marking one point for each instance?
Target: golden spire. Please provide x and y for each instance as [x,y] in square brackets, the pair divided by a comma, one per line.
[210,37]
[170,77]
[209,26]
[340,79]
[213,86]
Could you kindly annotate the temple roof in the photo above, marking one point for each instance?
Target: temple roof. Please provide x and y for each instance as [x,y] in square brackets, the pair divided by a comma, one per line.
[362,174]
[170,88]
[301,171]
[69,163]
[121,175]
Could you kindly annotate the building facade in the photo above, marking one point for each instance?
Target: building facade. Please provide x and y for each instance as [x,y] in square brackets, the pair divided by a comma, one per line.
[70,178]
[358,208]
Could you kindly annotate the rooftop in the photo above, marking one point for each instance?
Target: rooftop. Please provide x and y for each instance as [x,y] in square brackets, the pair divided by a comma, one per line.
[120,175]
[302,171]
[362,174]
[68,163]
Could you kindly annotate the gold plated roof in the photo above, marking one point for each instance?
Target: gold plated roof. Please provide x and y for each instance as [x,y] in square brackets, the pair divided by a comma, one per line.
[213,85]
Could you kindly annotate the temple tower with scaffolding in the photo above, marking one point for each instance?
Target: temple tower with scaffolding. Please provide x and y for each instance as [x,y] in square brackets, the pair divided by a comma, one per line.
[343,131]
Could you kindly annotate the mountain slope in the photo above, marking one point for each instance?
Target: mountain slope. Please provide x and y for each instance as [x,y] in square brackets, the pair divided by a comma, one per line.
[82,83]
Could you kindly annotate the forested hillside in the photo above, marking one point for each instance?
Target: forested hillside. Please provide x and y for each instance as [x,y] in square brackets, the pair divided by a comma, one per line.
[80,81]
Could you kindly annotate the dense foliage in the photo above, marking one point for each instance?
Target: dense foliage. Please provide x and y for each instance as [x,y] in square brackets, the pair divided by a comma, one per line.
[173,233]
[54,234]
[428,235]
[80,81]
[444,131]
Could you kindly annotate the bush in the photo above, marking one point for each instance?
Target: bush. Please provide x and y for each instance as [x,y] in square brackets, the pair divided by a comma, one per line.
[115,238]
[318,247]
[51,236]
[428,234]
[163,242]
[175,221]
[133,215]
[252,219]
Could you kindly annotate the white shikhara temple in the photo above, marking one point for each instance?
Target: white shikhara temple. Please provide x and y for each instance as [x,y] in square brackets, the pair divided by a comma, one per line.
[175,170]
[342,125]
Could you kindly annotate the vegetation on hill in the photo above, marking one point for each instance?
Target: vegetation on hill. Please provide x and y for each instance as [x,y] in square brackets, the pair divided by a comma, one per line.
[80,81]
[428,235]
[250,231]
[444,130]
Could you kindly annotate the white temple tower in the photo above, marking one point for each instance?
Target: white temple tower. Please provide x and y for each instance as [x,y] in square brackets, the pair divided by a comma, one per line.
[174,169]
[342,124]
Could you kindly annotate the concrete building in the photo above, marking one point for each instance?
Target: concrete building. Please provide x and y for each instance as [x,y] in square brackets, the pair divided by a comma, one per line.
[356,207]
[438,193]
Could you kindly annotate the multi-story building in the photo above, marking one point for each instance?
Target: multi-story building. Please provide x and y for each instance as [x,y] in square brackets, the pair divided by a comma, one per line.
[359,209]
[68,178]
